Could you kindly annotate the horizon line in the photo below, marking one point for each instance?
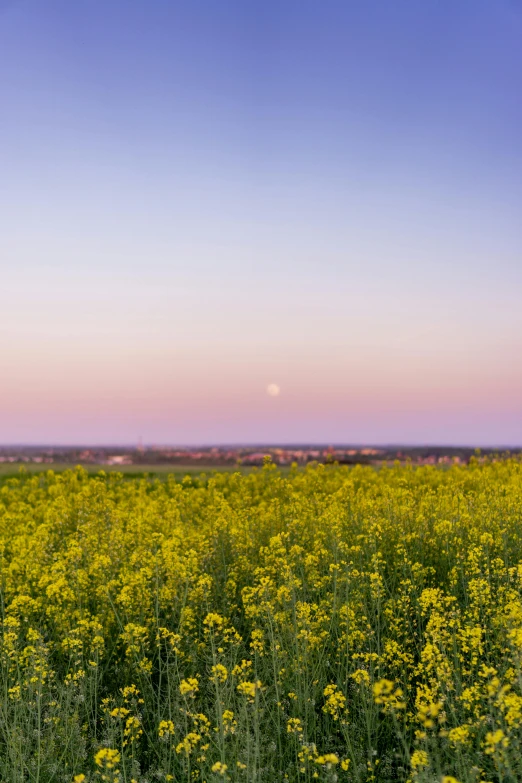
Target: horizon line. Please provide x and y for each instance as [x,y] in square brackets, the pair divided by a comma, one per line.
[262,444]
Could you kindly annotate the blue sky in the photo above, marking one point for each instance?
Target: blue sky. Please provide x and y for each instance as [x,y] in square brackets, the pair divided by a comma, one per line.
[203,198]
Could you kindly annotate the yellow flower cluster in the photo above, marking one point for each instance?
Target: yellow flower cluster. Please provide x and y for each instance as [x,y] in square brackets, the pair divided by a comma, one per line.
[335,703]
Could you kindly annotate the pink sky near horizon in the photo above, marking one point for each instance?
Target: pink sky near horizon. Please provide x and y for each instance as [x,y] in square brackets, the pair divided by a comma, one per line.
[349,393]
[115,361]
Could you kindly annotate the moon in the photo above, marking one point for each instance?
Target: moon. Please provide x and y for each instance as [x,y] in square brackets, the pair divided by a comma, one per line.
[273,390]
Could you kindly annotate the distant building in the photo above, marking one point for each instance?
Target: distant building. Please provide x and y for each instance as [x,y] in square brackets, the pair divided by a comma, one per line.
[119,459]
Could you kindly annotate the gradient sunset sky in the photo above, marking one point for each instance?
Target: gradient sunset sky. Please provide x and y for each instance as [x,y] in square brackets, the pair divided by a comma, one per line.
[201,198]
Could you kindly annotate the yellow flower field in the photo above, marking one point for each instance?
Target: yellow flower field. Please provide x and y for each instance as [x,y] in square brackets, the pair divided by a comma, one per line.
[333,624]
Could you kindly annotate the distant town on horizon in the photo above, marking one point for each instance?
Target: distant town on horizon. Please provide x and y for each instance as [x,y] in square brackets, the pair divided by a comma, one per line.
[214,457]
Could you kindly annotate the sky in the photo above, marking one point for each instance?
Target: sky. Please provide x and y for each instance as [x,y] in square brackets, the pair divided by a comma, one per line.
[200,199]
